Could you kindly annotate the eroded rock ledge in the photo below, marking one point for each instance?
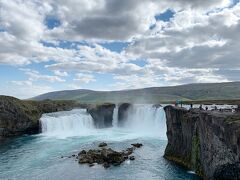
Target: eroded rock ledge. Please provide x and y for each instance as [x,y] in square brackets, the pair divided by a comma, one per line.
[19,117]
[207,142]
[102,114]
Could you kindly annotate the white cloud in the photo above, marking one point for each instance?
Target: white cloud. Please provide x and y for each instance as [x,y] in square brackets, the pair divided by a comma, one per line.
[84,78]
[199,41]
[60,73]
[199,44]
[22,83]
[23,90]
[36,76]
[97,59]
[114,19]
[23,29]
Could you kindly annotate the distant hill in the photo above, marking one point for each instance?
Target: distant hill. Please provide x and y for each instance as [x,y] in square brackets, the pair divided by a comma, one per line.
[191,92]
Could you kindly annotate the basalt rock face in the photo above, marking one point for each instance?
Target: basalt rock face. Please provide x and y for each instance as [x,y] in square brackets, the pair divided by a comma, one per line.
[122,112]
[207,142]
[102,115]
[19,117]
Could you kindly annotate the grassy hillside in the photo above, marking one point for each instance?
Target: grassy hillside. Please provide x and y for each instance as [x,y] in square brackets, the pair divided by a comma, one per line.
[189,92]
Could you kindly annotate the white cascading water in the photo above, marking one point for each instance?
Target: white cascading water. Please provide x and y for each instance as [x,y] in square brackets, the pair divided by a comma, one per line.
[67,123]
[146,119]
[141,120]
[115,117]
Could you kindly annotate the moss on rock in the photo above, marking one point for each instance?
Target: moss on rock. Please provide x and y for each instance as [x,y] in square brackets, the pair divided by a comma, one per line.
[195,155]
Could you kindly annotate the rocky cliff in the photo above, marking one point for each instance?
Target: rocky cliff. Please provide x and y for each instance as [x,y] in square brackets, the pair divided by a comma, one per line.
[207,142]
[19,117]
[122,113]
[102,114]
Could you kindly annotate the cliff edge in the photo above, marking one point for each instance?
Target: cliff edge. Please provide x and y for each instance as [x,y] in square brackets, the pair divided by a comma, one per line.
[207,142]
[19,117]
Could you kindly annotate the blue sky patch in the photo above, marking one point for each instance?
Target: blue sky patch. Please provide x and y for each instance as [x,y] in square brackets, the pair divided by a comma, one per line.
[52,22]
[139,62]
[65,44]
[166,16]
[115,46]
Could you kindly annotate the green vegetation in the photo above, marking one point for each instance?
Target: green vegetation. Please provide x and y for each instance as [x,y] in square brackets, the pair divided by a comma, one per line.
[196,159]
[191,93]
[30,110]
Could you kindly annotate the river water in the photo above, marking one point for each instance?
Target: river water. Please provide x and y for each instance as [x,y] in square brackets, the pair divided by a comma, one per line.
[66,133]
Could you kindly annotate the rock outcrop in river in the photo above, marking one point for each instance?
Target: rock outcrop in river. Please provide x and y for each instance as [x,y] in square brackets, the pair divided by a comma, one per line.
[207,142]
[106,156]
[122,112]
[20,117]
[102,114]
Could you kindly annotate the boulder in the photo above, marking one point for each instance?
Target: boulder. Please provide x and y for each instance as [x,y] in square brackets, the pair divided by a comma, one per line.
[137,145]
[132,158]
[103,144]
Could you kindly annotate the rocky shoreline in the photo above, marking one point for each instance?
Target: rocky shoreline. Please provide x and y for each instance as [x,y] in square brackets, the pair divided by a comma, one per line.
[207,142]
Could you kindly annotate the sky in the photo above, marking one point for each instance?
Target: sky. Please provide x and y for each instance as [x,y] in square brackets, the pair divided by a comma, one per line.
[50,45]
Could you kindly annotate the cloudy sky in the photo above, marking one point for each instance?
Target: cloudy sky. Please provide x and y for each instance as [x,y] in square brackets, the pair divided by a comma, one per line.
[48,45]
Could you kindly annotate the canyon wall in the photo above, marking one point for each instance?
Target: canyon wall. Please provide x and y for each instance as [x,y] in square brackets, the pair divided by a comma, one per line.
[207,142]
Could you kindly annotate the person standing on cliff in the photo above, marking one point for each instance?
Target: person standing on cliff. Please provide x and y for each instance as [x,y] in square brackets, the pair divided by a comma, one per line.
[238,108]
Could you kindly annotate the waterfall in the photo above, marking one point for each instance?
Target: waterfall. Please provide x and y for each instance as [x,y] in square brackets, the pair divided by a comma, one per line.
[146,119]
[115,117]
[139,119]
[67,123]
